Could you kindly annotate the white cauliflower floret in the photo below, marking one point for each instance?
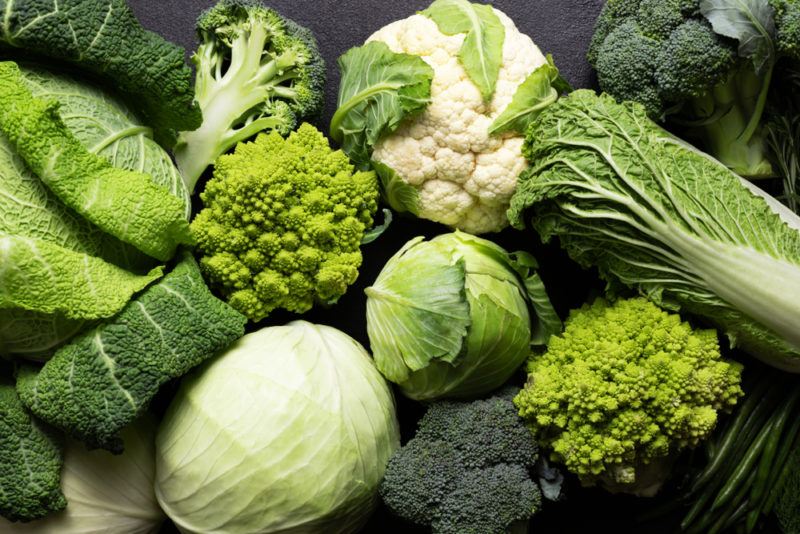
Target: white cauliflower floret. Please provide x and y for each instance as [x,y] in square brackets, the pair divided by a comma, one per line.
[464,176]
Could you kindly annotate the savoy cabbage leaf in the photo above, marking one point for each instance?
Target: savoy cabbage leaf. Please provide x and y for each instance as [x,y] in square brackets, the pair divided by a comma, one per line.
[654,214]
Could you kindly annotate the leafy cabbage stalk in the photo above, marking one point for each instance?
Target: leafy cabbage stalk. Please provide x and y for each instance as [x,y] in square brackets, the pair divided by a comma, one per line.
[290,430]
[105,492]
[653,213]
[451,317]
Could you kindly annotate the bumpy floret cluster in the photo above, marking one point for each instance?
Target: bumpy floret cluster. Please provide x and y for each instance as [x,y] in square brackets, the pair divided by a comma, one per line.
[467,469]
[624,385]
[282,223]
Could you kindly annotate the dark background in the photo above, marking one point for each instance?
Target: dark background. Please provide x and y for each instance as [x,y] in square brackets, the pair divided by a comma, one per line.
[560,27]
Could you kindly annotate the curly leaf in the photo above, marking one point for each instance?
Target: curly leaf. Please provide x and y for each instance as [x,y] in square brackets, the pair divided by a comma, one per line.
[378,90]
[125,204]
[105,378]
[481,54]
[30,463]
[104,38]
[751,22]
[538,91]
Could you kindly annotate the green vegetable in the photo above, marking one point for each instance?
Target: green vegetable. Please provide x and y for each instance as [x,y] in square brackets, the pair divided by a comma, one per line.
[123,203]
[378,90]
[151,73]
[704,65]
[289,431]
[282,223]
[623,389]
[787,506]
[450,317]
[31,459]
[36,217]
[467,470]
[106,492]
[256,71]
[481,54]
[654,214]
[105,378]
[538,91]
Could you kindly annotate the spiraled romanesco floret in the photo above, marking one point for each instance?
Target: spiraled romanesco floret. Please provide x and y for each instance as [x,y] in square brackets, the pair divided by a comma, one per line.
[626,384]
[282,223]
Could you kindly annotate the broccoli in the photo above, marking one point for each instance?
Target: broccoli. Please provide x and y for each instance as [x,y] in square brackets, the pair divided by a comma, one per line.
[256,71]
[467,470]
[283,222]
[624,387]
[30,480]
[666,55]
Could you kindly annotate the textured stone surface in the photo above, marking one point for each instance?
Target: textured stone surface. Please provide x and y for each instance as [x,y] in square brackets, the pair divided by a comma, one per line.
[560,27]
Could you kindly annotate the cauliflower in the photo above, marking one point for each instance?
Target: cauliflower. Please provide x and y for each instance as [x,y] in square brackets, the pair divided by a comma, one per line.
[464,176]
[282,223]
[419,102]
[624,387]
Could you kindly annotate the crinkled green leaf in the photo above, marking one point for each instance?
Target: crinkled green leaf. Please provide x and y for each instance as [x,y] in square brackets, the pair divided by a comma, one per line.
[481,54]
[416,320]
[751,22]
[538,91]
[30,462]
[103,38]
[378,90]
[103,380]
[654,214]
[125,204]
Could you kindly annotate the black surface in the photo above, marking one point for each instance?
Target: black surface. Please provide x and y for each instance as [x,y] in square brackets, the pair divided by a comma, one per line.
[559,27]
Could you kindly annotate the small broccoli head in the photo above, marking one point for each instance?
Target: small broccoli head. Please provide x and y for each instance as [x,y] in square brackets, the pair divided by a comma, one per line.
[282,223]
[626,384]
[787,22]
[256,71]
[468,469]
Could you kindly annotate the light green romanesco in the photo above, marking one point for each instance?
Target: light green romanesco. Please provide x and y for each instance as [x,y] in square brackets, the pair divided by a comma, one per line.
[283,222]
[624,386]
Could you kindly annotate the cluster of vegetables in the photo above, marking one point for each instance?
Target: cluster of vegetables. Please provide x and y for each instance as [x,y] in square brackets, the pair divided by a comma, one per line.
[113,284]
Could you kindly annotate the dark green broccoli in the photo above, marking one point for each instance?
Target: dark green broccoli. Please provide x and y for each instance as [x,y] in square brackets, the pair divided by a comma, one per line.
[666,55]
[467,470]
[256,71]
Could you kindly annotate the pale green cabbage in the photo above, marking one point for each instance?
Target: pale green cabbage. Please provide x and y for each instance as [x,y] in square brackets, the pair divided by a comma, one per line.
[105,493]
[451,317]
[288,431]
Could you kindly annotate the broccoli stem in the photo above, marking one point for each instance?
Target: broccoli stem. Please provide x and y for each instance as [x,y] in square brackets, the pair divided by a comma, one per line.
[732,131]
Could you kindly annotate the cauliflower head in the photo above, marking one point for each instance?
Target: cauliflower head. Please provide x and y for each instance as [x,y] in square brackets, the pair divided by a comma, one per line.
[464,177]
[625,385]
[282,223]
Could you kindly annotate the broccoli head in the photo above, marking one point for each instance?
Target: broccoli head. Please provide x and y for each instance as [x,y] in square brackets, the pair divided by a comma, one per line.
[626,385]
[256,71]
[666,55]
[467,470]
[282,223]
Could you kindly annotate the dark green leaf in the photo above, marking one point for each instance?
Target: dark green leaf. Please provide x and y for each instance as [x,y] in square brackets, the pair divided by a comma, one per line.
[751,22]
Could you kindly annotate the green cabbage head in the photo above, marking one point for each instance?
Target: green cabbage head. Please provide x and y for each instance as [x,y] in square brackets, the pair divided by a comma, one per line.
[456,316]
[288,431]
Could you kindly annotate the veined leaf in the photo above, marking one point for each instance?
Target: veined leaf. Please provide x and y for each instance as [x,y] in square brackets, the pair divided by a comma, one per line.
[378,90]
[751,22]
[482,52]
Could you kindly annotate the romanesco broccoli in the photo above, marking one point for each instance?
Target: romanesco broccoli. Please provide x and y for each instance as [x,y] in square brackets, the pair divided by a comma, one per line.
[282,223]
[624,386]
[467,470]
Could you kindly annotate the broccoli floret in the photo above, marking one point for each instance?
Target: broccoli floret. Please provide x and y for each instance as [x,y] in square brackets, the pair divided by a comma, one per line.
[626,385]
[467,469]
[283,222]
[31,459]
[665,55]
[256,71]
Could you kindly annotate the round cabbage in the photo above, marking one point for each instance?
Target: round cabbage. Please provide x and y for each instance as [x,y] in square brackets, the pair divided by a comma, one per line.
[451,317]
[105,492]
[288,431]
